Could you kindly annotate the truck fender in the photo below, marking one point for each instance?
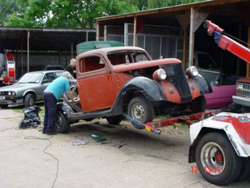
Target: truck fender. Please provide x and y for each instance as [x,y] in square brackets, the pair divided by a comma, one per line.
[64,108]
[150,89]
[202,84]
[219,123]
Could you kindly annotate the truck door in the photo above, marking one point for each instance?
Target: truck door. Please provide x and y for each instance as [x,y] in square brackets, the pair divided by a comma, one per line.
[95,86]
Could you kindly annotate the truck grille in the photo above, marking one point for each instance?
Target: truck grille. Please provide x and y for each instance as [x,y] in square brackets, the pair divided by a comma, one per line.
[176,75]
[246,86]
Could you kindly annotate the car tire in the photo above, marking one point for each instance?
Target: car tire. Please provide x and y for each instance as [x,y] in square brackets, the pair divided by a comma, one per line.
[29,100]
[199,104]
[245,170]
[140,109]
[115,120]
[4,106]
[62,124]
[217,161]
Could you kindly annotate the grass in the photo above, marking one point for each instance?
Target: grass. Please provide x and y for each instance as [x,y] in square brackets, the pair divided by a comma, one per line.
[41,113]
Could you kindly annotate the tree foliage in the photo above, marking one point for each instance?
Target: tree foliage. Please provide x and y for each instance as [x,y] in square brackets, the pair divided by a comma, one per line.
[71,13]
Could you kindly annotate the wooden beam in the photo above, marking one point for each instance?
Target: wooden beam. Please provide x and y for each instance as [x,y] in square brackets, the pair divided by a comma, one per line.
[97,31]
[248,66]
[135,34]
[184,20]
[196,18]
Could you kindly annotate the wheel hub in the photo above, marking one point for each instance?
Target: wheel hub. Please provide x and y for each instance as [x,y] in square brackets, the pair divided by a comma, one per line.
[213,158]
[138,112]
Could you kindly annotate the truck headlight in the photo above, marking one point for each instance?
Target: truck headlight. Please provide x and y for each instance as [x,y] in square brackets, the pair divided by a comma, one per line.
[160,74]
[192,72]
[239,86]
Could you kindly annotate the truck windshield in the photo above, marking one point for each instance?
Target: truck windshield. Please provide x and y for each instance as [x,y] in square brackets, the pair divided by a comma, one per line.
[31,78]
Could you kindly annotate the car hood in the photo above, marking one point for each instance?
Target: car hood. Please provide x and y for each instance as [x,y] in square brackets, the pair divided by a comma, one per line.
[17,87]
[145,64]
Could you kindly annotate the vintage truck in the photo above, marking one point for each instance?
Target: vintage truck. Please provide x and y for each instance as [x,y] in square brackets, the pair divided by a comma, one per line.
[114,81]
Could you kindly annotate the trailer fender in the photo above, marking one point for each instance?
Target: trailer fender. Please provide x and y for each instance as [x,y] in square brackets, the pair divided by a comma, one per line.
[235,126]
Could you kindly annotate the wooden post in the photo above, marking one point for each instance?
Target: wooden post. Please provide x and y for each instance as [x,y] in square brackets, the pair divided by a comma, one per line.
[248,66]
[135,34]
[28,51]
[97,31]
[238,59]
[185,48]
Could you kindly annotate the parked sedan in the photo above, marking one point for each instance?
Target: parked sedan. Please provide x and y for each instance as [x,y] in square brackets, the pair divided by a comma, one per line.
[29,89]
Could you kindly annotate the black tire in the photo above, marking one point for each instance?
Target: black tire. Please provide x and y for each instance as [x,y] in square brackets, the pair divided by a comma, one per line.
[3,106]
[245,170]
[29,100]
[199,104]
[140,109]
[62,124]
[115,120]
[217,161]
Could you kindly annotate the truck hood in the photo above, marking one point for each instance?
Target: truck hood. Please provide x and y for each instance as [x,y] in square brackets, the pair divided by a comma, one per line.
[144,64]
[244,80]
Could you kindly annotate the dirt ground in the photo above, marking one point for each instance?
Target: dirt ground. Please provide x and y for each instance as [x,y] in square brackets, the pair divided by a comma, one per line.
[128,158]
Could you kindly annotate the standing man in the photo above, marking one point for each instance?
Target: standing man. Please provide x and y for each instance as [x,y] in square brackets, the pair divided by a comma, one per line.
[71,67]
[51,95]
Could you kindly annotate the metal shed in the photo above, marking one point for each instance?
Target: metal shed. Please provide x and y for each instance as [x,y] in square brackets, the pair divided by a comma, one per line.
[232,15]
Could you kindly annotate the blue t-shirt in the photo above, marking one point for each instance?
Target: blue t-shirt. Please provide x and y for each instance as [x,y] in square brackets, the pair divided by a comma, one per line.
[58,87]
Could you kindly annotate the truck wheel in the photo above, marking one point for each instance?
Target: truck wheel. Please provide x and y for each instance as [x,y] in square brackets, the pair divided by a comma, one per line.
[216,159]
[4,106]
[61,123]
[140,109]
[114,119]
[199,104]
[245,170]
[29,100]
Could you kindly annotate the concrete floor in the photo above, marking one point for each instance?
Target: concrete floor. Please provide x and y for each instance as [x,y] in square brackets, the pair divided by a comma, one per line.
[129,158]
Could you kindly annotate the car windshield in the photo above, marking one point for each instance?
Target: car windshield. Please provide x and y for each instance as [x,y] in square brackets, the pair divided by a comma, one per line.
[210,76]
[31,78]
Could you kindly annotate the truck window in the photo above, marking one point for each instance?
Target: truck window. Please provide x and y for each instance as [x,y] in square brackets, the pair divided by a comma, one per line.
[91,64]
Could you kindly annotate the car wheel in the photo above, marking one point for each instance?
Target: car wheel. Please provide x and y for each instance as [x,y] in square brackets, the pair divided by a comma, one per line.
[217,161]
[114,119]
[62,124]
[29,100]
[140,109]
[3,106]
[199,104]
[245,170]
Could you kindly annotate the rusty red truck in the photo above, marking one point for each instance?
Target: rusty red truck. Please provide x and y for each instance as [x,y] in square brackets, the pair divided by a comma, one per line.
[114,81]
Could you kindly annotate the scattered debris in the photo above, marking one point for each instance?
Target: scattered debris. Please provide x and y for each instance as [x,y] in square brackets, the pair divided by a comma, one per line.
[80,142]
[97,137]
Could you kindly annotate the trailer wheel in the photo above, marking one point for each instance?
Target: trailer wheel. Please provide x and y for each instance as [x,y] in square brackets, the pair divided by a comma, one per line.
[61,123]
[199,104]
[216,159]
[115,120]
[140,109]
[29,100]
[245,170]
